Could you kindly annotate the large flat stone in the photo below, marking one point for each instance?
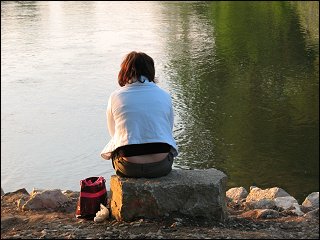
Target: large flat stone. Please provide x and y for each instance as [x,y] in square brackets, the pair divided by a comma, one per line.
[192,193]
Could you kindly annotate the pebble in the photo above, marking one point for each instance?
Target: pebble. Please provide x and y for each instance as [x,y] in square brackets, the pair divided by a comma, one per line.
[136,225]
[176,224]
[178,219]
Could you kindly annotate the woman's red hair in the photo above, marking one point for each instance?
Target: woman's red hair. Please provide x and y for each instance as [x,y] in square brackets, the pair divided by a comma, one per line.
[133,66]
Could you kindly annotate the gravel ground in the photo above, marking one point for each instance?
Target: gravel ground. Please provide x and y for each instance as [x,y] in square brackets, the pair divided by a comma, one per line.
[63,224]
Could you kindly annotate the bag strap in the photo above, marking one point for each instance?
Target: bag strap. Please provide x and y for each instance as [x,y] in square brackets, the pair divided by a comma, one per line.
[88,182]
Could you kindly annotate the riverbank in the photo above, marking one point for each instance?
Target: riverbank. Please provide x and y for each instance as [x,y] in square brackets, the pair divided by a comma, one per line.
[62,223]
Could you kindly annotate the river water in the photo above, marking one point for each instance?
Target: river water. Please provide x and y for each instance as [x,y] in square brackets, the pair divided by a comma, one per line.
[243,77]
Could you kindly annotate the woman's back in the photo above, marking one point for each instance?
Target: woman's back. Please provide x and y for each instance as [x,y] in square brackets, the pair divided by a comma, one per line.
[142,111]
[140,122]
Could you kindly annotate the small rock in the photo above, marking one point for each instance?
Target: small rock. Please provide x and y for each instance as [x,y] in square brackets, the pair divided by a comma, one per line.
[237,194]
[260,204]
[312,201]
[260,214]
[176,224]
[48,199]
[312,214]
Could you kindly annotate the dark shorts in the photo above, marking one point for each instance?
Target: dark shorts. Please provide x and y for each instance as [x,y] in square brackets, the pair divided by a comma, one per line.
[147,170]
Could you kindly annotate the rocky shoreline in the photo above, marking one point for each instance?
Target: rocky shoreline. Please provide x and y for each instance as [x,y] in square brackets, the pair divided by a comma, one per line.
[261,213]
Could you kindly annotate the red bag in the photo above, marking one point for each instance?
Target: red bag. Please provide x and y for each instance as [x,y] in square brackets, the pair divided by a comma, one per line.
[93,192]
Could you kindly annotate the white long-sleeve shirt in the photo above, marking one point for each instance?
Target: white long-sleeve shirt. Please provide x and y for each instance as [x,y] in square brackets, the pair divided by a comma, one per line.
[139,113]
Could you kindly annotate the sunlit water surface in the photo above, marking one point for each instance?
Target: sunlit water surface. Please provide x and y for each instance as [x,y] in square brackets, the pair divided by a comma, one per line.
[243,77]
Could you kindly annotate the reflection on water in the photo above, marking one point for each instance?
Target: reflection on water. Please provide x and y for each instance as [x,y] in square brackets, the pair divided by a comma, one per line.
[243,77]
[248,100]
